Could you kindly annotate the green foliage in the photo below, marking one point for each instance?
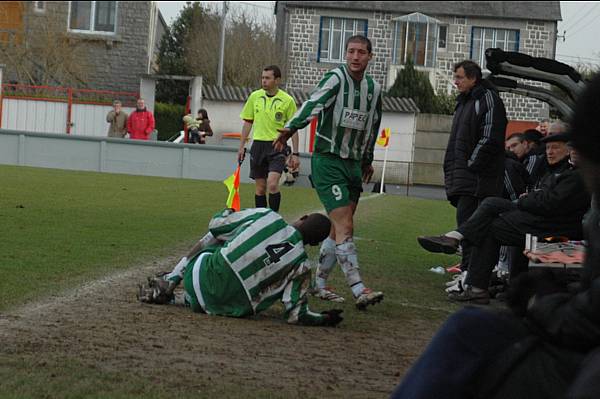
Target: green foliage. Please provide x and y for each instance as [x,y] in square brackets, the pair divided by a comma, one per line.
[192,44]
[414,84]
[445,104]
[169,119]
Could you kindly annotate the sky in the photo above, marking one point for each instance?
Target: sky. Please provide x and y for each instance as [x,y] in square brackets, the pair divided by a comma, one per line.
[581,21]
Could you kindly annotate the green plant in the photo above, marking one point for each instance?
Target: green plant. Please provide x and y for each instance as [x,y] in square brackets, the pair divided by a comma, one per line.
[414,84]
[169,119]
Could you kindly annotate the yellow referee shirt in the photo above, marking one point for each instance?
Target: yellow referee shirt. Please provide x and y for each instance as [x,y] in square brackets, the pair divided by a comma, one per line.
[268,113]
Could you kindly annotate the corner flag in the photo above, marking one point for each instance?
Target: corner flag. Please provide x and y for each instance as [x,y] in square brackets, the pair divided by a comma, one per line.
[233,184]
[384,137]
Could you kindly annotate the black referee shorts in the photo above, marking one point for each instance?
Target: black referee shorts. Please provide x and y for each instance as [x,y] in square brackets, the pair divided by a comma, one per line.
[264,159]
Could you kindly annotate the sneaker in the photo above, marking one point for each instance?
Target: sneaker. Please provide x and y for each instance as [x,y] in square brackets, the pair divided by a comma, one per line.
[327,294]
[480,298]
[157,291]
[440,244]
[368,297]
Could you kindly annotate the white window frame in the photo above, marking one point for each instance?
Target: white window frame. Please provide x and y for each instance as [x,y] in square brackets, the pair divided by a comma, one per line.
[354,22]
[445,48]
[482,47]
[37,9]
[415,18]
[93,21]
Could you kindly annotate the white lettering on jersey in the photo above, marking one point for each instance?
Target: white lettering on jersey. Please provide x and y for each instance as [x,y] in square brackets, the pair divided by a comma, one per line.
[354,119]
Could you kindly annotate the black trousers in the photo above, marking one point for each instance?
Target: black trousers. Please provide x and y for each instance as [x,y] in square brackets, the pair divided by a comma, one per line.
[465,207]
[486,231]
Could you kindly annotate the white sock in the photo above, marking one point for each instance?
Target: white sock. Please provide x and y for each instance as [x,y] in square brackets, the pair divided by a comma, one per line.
[177,274]
[327,261]
[455,234]
[348,260]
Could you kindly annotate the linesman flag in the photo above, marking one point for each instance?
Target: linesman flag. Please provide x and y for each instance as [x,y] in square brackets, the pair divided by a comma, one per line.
[233,185]
[384,137]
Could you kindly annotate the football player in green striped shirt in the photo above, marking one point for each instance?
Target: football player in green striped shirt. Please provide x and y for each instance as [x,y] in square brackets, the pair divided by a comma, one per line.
[348,104]
[246,262]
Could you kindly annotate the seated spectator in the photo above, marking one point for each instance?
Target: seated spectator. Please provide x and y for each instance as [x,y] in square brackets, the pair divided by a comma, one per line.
[556,208]
[536,353]
[525,146]
[543,126]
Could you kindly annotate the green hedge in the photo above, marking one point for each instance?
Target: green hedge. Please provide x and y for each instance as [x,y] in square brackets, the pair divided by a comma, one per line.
[169,119]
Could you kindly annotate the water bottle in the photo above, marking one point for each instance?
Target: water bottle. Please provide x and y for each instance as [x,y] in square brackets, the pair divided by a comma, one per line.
[438,270]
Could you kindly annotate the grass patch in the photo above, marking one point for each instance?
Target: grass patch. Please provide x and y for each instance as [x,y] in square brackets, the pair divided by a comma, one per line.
[61,228]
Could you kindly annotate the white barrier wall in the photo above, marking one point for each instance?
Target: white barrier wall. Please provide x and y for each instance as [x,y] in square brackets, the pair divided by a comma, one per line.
[103,154]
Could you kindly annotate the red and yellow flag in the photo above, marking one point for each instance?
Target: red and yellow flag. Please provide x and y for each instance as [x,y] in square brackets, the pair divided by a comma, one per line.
[384,137]
[233,185]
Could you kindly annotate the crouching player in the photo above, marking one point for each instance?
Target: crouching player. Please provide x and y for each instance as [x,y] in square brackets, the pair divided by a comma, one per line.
[246,262]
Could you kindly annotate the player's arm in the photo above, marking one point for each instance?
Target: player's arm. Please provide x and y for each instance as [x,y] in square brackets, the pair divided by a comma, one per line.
[295,303]
[322,97]
[367,161]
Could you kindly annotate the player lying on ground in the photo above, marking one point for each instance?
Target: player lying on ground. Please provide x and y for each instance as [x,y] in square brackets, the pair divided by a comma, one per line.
[246,262]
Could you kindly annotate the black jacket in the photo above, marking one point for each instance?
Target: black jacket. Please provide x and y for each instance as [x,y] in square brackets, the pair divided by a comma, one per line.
[474,160]
[564,328]
[536,165]
[516,177]
[556,207]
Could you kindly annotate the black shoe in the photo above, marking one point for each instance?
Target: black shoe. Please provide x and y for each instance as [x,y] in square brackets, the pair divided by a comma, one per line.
[480,298]
[440,244]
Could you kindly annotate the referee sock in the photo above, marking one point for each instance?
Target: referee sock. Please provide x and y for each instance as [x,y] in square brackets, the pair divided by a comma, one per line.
[260,201]
[274,201]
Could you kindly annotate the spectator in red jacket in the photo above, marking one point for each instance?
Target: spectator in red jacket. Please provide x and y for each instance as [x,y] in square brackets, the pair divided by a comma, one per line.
[140,123]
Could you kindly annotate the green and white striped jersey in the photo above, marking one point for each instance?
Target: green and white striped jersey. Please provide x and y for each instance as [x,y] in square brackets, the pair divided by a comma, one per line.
[259,259]
[349,115]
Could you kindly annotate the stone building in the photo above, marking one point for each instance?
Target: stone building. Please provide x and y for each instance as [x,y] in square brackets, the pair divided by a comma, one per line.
[103,45]
[434,34]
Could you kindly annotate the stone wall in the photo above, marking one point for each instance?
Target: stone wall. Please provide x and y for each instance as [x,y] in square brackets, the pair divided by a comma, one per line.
[107,62]
[537,38]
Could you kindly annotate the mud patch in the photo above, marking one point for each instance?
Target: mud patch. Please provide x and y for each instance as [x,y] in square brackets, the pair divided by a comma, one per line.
[102,326]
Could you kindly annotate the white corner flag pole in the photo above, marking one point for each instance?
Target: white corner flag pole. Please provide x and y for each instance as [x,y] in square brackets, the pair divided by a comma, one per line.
[383,171]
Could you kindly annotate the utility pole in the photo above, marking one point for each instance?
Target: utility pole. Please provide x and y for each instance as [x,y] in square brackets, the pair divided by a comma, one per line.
[222,47]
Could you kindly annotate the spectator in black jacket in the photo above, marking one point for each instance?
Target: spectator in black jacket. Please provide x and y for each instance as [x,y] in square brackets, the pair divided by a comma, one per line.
[474,160]
[537,351]
[525,146]
[556,208]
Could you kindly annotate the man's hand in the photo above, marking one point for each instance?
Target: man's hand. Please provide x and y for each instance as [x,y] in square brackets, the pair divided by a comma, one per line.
[332,318]
[367,173]
[294,162]
[241,154]
[280,142]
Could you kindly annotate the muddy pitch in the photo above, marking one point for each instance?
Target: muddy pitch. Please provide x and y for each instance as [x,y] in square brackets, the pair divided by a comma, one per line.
[103,326]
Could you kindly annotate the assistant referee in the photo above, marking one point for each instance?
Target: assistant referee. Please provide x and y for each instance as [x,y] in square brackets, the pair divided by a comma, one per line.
[265,111]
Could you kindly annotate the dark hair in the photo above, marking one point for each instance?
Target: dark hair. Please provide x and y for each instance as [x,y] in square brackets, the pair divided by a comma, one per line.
[532,135]
[516,135]
[472,70]
[314,228]
[203,112]
[275,69]
[359,39]
[584,123]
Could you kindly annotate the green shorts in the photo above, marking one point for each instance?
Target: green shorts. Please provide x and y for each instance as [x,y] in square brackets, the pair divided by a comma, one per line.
[337,181]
